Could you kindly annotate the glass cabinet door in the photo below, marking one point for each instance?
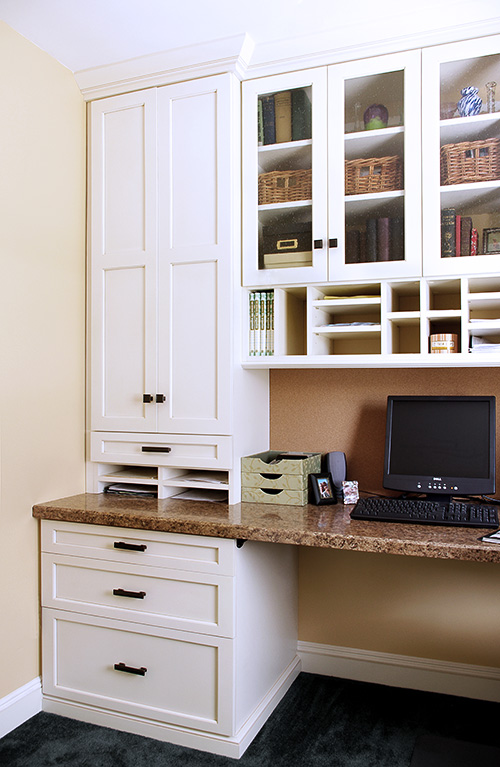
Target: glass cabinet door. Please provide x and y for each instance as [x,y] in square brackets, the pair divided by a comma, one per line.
[461,154]
[284,179]
[374,168]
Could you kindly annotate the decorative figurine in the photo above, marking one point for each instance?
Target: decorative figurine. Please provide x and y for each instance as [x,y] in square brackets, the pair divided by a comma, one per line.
[490,97]
[376,116]
[470,103]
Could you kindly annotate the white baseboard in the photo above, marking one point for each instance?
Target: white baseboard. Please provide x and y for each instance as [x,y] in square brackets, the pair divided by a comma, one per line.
[20,705]
[480,682]
[212,743]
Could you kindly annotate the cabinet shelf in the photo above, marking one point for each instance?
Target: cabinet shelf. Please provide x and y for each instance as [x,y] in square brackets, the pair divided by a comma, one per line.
[376,143]
[482,126]
[347,331]
[289,155]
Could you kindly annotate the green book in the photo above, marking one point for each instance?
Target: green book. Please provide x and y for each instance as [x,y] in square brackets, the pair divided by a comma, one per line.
[301,115]
[448,233]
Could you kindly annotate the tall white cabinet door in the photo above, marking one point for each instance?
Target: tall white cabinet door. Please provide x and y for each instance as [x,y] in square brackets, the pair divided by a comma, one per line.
[123,249]
[374,195]
[196,156]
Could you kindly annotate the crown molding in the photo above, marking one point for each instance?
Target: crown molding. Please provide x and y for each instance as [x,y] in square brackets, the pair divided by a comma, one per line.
[230,54]
[240,56]
[317,50]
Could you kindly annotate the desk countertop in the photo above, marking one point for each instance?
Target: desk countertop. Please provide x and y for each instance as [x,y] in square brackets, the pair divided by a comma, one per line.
[319,526]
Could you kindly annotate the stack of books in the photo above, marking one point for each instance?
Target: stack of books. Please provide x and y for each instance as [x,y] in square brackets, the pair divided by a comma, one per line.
[261,323]
[284,116]
[458,235]
[381,240]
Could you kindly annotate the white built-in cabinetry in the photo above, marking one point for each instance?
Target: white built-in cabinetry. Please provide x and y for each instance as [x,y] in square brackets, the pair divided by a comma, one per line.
[164,311]
[184,638]
[347,300]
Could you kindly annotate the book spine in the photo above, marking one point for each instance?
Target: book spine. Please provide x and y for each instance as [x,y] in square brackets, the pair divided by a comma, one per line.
[465,235]
[397,239]
[301,115]
[473,242]
[352,246]
[458,220]
[260,123]
[271,322]
[268,123]
[382,239]
[448,245]
[251,324]
[283,116]
[371,239]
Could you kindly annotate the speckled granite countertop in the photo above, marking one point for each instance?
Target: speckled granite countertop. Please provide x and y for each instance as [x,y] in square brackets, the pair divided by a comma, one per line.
[323,526]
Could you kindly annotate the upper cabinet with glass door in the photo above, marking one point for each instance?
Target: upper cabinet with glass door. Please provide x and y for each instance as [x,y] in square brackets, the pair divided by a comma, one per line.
[374,168]
[461,155]
[284,179]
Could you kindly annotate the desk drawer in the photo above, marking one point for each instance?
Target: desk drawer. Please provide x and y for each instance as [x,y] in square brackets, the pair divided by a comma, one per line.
[146,595]
[179,450]
[140,547]
[184,679]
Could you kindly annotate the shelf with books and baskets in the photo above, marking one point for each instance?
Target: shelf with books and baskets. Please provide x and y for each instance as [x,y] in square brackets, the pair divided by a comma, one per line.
[462,182]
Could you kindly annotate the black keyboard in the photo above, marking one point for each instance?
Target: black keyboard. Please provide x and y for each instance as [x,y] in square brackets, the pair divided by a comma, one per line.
[426,512]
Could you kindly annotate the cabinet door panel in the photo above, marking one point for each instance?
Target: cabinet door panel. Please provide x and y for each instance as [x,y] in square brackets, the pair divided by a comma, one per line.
[193,179]
[195,252]
[123,262]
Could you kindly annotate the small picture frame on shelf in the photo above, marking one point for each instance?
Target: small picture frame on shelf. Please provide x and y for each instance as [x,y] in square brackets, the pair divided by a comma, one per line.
[491,241]
[322,489]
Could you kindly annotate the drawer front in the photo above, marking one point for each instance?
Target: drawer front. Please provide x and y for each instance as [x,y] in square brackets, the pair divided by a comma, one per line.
[194,602]
[182,450]
[278,481]
[183,678]
[195,553]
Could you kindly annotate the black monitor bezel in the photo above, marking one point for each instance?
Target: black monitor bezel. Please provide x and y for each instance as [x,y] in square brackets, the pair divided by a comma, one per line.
[451,486]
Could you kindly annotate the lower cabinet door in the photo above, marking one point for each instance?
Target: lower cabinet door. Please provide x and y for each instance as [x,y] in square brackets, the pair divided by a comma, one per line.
[176,677]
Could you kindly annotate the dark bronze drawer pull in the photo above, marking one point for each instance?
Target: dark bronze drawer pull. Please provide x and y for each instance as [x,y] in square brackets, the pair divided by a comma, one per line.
[147,398]
[130,546]
[131,594]
[155,449]
[130,669]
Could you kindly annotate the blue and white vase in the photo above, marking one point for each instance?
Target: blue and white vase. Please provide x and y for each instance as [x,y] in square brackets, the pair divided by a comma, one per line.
[470,103]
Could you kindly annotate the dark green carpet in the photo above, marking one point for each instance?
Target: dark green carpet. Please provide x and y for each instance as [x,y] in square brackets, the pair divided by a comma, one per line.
[322,721]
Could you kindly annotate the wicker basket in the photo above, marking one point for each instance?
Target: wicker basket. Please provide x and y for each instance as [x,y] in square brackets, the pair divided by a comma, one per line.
[376,174]
[285,186]
[470,161]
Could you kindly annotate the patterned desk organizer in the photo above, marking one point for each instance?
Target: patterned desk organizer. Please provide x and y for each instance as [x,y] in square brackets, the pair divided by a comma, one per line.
[267,478]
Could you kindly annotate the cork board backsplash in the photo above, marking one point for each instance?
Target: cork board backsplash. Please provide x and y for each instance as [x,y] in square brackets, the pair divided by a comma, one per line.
[325,410]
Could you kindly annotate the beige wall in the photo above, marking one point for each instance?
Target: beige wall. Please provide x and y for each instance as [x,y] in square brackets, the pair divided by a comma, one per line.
[42,261]
[406,605]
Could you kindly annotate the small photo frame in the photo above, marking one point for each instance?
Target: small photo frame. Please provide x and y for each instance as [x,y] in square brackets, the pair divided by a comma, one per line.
[322,489]
[491,241]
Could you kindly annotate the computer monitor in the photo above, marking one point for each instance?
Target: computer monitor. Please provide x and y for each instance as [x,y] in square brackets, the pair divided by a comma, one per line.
[440,445]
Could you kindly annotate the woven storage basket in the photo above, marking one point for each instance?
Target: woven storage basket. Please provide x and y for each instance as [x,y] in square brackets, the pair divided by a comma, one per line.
[285,186]
[376,174]
[470,161]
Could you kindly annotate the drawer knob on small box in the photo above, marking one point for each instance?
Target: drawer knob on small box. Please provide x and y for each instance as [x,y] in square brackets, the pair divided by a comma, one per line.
[131,594]
[130,546]
[130,669]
